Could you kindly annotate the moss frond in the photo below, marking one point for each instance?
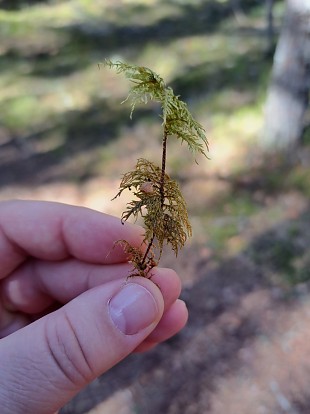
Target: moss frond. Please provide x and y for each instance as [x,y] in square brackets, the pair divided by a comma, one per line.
[177,120]
[157,198]
[136,257]
[167,222]
[148,86]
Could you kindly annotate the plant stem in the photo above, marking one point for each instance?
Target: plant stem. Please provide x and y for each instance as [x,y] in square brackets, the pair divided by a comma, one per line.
[163,167]
[148,250]
[161,187]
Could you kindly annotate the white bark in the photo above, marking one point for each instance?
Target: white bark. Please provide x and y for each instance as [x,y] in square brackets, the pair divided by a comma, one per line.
[288,93]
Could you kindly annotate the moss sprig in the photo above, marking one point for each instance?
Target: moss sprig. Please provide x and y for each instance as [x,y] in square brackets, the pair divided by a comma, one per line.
[177,120]
[167,222]
[157,197]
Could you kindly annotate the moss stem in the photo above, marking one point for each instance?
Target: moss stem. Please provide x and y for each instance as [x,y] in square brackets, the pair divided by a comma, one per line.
[161,189]
[163,167]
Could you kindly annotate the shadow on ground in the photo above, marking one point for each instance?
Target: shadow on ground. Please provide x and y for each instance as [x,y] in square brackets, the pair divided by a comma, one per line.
[80,131]
[233,306]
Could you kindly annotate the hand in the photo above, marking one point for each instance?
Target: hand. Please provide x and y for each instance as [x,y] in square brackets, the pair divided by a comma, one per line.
[68,313]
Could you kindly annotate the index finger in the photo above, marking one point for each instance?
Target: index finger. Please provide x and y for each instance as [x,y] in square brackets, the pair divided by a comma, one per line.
[53,231]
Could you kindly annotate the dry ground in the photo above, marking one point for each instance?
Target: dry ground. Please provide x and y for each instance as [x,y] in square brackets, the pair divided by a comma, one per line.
[246,346]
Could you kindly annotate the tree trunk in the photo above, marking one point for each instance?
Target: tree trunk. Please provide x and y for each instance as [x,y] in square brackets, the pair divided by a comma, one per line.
[288,93]
[270,26]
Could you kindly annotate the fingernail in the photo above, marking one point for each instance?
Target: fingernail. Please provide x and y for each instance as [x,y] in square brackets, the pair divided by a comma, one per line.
[133,309]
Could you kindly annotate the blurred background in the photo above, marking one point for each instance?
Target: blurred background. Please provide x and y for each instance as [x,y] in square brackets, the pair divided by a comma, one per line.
[243,67]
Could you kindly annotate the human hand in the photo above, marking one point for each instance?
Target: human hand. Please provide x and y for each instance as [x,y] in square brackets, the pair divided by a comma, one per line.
[67,311]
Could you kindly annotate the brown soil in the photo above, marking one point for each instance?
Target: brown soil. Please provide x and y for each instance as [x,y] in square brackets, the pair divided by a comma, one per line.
[246,346]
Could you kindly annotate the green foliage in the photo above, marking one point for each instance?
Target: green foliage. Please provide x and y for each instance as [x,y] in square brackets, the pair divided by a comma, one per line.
[142,264]
[167,221]
[158,199]
[177,120]
[20,113]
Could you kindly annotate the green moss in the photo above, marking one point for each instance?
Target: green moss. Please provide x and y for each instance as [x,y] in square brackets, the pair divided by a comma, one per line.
[306,136]
[220,231]
[14,27]
[299,179]
[243,205]
[21,113]
[225,219]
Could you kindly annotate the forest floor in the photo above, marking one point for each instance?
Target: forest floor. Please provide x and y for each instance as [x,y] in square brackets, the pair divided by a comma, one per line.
[245,275]
[246,346]
[246,271]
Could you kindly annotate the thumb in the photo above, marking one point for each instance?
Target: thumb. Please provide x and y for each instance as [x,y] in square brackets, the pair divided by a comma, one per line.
[43,365]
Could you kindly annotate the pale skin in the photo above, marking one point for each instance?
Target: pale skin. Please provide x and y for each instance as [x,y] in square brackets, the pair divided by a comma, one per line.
[68,311]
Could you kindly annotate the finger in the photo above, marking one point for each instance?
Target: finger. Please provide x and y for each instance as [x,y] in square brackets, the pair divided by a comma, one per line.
[11,321]
[36,284]
[169,284]
[53,231]
[170,324]
[62,352]
[58,283]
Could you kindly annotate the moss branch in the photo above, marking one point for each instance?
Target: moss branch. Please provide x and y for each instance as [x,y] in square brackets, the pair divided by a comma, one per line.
[161,188]
[163,166]
[150,245]
[157,198]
